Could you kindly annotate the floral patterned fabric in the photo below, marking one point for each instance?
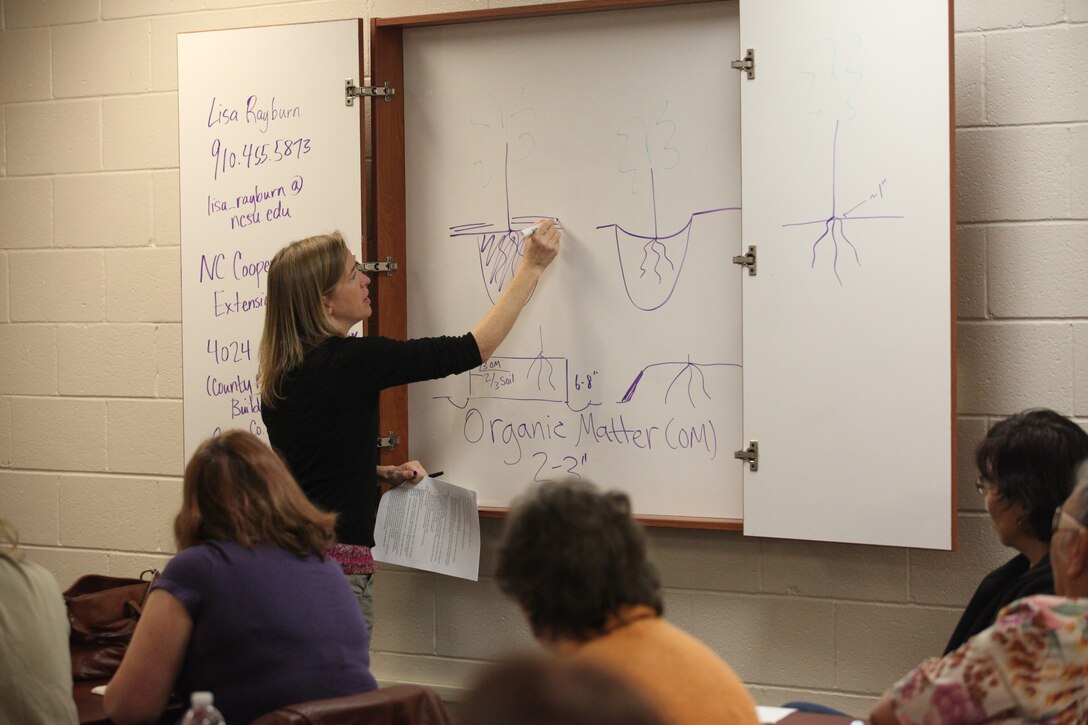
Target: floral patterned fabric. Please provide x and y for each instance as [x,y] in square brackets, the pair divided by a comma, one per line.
[1030,666]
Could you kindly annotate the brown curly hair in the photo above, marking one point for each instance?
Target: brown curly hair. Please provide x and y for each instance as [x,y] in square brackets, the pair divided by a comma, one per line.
[572,557]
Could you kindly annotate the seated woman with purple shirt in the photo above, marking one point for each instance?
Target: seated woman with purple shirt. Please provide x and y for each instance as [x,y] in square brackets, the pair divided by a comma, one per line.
[249,609]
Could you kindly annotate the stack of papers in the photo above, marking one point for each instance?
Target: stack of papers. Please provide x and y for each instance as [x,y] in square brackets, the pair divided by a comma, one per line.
[432,525]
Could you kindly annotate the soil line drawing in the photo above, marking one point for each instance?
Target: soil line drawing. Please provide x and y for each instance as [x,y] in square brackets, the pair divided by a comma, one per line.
[650,264]
[652,267]
[499,245]
[695,382]
[835,220]
[538,378]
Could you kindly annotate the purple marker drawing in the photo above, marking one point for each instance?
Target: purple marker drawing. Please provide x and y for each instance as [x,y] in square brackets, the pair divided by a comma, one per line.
[835,219]
[540,378]
[648,270]
[529,231]
[651,263]
[499,249]
[520,378]
[539,362]
[692,370]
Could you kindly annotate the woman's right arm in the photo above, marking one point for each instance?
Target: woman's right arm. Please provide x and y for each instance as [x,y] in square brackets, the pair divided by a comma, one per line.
[140,690]
[539,251]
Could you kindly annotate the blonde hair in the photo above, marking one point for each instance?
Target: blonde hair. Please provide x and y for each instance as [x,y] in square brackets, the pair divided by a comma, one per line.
[295,321]
[237,489]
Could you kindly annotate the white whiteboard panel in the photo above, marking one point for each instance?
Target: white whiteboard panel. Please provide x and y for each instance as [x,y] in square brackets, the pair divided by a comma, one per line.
[269,154]
[847,351]
[625,365]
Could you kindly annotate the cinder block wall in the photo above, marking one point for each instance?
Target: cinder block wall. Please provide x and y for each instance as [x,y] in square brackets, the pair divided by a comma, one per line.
[90,359]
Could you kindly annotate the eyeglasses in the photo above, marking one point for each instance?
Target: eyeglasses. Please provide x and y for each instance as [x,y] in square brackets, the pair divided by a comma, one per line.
[1059,514]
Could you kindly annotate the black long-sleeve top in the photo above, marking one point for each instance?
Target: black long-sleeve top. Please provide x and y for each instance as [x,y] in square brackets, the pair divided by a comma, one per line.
[1001,587]
[326,425]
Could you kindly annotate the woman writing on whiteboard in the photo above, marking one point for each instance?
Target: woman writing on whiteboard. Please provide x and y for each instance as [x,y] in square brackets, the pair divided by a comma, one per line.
[319,387]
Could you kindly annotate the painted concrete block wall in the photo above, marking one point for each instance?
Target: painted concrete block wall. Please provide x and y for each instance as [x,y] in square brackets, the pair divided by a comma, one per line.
[90,342]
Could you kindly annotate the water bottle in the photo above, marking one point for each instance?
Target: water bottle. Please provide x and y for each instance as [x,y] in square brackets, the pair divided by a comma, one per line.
[202,711]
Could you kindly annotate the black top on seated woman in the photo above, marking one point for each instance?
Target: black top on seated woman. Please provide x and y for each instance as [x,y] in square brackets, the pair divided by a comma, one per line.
[1027,465]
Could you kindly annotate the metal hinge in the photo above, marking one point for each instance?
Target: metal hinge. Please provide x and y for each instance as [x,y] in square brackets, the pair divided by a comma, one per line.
[388,266]
[749,454]
[747,63]
[747,260]
[391,441]
[352,91]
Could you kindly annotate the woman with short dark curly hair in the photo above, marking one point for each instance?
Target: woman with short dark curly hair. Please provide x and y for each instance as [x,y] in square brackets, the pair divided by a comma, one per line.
[1027,464]
[575,560]
[569,590]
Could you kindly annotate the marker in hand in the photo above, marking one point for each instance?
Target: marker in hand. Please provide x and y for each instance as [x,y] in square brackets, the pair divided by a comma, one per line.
[528,231]
[436,474]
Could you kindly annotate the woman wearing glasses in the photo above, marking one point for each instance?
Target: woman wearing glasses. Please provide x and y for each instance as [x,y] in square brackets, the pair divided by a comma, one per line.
[1029,665]
[319,387]
[1026,465]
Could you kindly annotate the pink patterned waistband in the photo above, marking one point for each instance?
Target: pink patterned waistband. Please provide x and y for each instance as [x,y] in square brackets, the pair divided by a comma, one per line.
[352,559]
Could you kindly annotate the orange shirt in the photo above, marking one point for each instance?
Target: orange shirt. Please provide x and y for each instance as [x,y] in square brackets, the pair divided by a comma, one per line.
[682,677]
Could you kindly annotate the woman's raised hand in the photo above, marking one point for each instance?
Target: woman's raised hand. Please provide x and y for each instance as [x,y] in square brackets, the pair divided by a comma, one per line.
[542,245]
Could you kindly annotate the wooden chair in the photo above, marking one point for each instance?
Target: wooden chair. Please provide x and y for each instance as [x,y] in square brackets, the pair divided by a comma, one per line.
[394,705]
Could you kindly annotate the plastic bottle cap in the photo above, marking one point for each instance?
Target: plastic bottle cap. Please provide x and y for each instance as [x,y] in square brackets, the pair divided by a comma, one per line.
[201,698]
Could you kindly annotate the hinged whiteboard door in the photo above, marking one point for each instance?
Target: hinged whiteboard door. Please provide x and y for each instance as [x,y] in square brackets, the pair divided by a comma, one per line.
[847,327]
[269,153]
[624,366]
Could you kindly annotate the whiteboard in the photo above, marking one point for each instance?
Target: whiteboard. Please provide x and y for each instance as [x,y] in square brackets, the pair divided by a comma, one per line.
[625,366]
[269,153]
[847,345]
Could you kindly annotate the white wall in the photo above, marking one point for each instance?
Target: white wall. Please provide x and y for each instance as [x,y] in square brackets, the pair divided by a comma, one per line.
[90,362]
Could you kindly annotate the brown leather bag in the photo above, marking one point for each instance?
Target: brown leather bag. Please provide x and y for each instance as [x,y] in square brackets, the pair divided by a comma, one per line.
[103,611]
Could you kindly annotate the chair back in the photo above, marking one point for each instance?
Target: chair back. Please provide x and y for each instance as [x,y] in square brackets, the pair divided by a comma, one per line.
[394,705]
